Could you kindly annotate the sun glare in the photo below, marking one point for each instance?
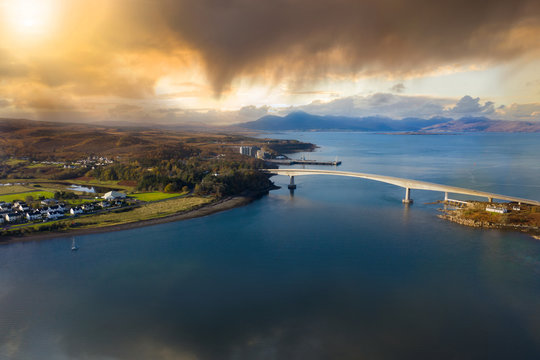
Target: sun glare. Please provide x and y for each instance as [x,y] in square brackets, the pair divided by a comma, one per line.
[30,16]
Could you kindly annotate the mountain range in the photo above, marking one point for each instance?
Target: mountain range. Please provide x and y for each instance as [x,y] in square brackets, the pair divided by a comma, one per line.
[300,120]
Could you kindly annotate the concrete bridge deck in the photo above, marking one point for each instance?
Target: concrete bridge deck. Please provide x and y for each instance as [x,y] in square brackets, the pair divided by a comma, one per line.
[408,184]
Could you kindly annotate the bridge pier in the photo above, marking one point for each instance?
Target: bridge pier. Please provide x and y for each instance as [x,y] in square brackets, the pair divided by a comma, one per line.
[407,199]
[445,197]
[292,185]
[490,199]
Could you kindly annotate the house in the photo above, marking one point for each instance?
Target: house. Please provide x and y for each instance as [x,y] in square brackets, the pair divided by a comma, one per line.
[76,210]
[111,195]
[12,217]
[6,206]
[54,214]
[22,206]
[59,207]
[48,202]
[104,204]
[516,208]
[499,210]
[34,215]
[88,207]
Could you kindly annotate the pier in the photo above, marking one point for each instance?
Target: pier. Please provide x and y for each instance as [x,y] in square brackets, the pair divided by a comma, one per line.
[303,162]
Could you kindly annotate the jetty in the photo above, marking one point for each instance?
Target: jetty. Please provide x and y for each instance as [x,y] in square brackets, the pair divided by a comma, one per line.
[302,162]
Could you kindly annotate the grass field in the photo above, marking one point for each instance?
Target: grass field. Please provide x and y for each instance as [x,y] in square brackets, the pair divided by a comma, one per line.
[13,189]
[154,196]
[145,212]
[14,162]
[22,196]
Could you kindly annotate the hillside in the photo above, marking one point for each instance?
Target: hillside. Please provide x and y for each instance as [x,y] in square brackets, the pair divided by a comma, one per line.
[305,121]
[50,140]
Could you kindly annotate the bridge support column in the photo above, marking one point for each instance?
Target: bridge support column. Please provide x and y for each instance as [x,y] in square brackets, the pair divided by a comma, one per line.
[490,199]
[292,185]
[407,199]
[445,196]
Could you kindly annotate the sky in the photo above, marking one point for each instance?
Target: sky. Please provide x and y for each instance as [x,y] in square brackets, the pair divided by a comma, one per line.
[227,61]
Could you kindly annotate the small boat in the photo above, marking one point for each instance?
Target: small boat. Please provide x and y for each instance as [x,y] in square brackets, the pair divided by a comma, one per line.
[74,246]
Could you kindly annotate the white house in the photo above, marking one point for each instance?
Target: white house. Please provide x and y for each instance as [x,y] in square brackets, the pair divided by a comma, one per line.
[111,195]
[87,207]
[54,214]
[22,206]
[58,207]
[104,204]
[75,210]
[494,209]
[34,215]
[12,217]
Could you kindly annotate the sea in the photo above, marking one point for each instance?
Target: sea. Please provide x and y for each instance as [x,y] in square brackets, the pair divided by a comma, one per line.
[338,269]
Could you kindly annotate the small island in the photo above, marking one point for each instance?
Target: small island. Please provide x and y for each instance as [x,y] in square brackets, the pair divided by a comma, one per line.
[504,216]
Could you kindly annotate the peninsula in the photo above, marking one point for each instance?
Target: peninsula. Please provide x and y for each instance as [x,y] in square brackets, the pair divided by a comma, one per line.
[80,178]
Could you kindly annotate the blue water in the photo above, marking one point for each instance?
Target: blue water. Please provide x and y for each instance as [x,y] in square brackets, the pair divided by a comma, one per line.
[340,270]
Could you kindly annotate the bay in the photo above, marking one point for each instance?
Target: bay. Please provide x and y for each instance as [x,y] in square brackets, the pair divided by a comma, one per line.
[340,269]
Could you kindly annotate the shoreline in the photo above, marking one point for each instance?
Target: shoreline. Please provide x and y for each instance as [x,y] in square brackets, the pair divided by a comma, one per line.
[532,231]
[224,204]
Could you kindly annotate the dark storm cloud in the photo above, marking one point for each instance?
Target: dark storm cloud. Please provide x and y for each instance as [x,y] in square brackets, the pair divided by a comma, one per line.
[315,37]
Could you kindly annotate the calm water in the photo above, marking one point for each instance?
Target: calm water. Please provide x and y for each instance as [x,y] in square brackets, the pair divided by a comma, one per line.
[342,270]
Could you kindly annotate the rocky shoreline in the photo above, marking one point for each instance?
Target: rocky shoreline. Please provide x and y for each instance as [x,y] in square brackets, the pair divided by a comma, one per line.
[534,231]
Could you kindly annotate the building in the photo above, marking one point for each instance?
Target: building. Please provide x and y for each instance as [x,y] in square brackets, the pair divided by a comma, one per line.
[111,195]
[261,154]
[499,210]
[12,217]
[48,202]
[54,214]
[33,215]
[88,207]
[6,206]
[76,210]
[104,204]
[22,206]
[248,150]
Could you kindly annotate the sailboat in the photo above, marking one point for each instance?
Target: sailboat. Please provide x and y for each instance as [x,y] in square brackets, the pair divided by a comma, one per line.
[74,246]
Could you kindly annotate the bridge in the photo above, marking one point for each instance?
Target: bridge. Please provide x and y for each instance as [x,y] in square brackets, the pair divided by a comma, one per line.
[408,184]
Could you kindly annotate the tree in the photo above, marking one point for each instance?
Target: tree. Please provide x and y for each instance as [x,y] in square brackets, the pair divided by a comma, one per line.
[171,187]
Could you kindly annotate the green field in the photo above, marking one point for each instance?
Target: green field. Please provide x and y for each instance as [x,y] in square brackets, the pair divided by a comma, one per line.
[155,196]
[14,162]
[22,196]
[13,189]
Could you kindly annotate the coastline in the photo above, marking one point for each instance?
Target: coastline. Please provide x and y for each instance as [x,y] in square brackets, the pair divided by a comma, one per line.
[224,204]
[532,231]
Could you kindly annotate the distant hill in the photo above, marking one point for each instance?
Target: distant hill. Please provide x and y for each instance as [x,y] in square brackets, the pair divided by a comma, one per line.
[482,124]
[303,121]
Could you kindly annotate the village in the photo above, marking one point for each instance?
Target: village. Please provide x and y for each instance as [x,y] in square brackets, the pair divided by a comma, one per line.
[19,212]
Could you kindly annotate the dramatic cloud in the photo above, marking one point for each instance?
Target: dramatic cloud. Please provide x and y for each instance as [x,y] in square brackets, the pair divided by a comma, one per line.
[314,37]
[400,106]
[471,106]
[82,58]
